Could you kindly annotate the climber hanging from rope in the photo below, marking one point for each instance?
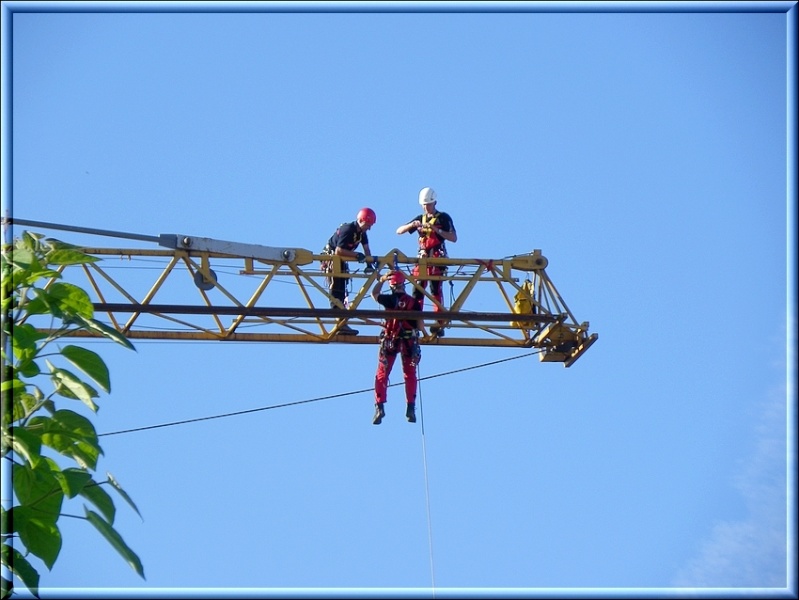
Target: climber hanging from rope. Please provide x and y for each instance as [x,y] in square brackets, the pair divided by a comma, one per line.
[399,336]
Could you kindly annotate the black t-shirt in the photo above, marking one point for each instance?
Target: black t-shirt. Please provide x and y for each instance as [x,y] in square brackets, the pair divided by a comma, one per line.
[401,301]
[348,236]
[439,219]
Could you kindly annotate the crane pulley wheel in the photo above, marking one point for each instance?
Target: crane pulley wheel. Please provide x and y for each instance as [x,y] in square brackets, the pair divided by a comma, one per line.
[203,282]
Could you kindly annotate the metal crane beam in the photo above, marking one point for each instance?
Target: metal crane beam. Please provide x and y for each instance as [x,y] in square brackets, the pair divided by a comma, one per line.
[248,292]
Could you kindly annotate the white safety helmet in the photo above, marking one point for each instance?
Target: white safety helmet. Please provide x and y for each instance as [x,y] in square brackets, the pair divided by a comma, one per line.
[427,196]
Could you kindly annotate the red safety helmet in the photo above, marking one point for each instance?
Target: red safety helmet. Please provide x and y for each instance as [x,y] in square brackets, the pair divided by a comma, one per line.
[397,279]
[367,215]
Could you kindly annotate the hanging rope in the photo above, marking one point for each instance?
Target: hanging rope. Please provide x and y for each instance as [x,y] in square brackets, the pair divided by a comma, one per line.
[426,484]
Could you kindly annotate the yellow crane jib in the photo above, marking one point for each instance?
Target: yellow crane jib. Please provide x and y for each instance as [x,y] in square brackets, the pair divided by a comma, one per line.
[259,293]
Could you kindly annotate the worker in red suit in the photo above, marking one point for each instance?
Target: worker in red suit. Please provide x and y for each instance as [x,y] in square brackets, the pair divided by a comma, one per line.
[399,337]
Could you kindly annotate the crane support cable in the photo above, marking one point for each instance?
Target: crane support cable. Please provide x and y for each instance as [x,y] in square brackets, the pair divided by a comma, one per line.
[116,234]
[317,399]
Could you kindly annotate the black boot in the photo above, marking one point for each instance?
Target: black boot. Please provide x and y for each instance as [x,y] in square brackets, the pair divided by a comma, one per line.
[346,329]
[410,413]
[379,414]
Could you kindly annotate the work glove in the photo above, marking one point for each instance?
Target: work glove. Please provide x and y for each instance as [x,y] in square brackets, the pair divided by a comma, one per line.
[360,257]
[370,268]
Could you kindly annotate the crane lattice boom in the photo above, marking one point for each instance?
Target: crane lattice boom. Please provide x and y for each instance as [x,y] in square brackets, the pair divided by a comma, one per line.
[255,293]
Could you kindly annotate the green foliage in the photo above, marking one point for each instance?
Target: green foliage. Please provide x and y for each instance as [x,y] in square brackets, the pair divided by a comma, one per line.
[35,431]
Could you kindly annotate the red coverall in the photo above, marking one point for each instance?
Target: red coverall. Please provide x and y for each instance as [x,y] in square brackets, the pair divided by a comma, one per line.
[398,337]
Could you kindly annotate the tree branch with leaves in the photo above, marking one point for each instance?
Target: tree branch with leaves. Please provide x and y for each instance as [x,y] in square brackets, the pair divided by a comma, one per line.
[38,433]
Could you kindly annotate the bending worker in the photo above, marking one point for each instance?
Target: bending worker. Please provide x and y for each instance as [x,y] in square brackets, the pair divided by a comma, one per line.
[345,240]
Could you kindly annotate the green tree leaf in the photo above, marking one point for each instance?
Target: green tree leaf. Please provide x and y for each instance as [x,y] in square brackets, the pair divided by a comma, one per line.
[43,273]
[27,367]
[100,498]
[90,363]
[72,480]
[41,536]
[27,399]
[69,386]
[20,567]
[26,443]
[61,300]
[70,434]
[25,337]
[69,256]
[38,490]
[116,541]
[103,330]
[24,345]
[115,484]
[11,385]
[22,401]
[23,260]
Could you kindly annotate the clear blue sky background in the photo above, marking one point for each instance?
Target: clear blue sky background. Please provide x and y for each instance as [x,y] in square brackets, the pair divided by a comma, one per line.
[645,153]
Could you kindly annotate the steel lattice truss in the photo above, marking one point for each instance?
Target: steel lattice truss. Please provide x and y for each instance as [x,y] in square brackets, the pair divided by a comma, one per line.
[257,293]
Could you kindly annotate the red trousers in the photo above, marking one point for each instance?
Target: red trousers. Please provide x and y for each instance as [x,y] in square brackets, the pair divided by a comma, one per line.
[436,287]
[384,365]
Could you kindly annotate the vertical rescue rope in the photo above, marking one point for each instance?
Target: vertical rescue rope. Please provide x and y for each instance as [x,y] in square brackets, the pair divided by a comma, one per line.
[426,485]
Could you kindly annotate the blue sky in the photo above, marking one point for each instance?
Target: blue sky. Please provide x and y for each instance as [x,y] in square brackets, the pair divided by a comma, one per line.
[646,153]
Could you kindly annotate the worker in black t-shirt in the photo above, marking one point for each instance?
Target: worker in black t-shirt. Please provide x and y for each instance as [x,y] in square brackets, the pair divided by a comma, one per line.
[435,228]
[345,240]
